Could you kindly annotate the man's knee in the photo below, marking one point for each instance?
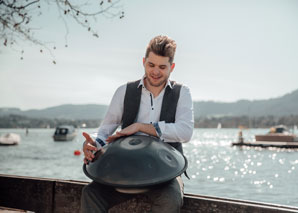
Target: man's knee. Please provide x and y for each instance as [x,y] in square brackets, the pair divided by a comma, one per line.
[91,201]
[168,198]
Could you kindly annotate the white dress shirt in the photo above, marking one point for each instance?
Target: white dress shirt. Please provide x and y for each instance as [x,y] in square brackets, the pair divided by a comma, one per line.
[149,113]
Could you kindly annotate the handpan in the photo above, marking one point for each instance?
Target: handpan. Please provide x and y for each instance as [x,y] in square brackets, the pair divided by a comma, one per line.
[136,162]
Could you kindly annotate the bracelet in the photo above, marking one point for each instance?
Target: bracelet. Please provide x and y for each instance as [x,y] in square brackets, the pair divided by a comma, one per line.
[157,129]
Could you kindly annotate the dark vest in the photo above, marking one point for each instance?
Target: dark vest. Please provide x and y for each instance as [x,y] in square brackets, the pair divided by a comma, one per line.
[132,101]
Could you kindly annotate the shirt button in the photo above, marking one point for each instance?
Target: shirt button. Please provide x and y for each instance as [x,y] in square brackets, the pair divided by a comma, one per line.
[152,108]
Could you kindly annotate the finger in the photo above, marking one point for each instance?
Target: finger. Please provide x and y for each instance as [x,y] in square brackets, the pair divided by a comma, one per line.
[90,147]
[115,136]
[120,134]
[86,161]
[109,139]
[89,157]
[87,136]
[112,138]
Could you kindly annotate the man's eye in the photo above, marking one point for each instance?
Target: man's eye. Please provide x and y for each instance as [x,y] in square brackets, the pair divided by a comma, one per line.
[151,65]
[162,67]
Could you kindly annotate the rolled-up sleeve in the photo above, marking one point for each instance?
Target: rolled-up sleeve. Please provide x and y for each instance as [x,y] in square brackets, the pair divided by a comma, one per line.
[182,129]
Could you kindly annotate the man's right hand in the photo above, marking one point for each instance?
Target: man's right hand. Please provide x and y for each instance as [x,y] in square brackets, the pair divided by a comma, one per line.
[89,148]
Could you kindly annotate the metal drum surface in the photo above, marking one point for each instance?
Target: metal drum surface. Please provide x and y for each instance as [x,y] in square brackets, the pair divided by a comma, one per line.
[136,162]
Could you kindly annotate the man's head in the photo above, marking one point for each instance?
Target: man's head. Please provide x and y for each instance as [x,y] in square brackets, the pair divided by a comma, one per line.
[162,46]
[158,61]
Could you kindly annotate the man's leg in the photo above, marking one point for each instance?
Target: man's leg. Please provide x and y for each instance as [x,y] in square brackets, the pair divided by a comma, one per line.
[167,198]
[100,198]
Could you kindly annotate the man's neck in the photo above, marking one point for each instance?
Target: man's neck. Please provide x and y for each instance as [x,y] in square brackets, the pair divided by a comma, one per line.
[154,90]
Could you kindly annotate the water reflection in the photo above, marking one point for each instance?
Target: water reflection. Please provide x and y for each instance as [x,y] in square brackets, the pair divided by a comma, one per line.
[215,167]
[218,169]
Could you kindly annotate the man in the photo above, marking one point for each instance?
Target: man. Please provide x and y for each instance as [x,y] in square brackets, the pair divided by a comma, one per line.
[152,106]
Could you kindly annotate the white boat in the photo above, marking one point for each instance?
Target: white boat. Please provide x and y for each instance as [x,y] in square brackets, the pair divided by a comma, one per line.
[278,136]
[64,133]
[9,139]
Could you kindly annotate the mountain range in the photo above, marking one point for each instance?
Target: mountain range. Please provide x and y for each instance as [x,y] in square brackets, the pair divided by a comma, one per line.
[66,111]
[279,106]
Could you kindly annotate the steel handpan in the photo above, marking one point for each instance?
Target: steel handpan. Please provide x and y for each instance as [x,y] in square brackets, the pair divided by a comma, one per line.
[136,162]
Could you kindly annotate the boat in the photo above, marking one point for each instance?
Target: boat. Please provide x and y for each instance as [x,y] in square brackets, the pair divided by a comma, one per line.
[278,136]
[65,133]
[10,139]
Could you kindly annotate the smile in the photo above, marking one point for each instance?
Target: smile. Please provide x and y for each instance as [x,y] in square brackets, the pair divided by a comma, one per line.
[156,78]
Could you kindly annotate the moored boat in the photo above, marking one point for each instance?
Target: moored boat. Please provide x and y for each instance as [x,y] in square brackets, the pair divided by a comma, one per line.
[278,136]
[10,139]
[64,133]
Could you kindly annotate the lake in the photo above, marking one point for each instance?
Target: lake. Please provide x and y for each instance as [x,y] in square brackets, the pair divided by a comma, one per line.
[215,167]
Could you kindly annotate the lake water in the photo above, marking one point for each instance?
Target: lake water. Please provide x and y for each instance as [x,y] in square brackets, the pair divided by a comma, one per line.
[215,167]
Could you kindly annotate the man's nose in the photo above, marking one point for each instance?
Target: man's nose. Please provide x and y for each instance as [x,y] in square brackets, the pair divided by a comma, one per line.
[155,71]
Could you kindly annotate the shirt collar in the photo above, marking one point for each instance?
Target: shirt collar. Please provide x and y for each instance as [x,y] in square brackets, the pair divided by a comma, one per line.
[142,83]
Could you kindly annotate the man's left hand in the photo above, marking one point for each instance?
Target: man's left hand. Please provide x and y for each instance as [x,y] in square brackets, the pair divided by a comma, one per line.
[130,130]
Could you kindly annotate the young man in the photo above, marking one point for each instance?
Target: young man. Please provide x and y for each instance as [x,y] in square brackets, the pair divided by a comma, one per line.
[153,106]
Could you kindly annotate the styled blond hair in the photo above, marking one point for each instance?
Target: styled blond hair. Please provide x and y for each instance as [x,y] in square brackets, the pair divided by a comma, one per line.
[162,46]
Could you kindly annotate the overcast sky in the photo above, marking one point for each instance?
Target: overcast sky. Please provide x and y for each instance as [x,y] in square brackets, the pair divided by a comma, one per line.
[226,50]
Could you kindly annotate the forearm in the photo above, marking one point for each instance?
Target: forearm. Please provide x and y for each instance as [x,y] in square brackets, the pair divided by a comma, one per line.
[176,132]
[147,129]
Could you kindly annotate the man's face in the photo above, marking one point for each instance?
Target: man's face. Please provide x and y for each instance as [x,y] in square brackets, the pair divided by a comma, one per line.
[157,69]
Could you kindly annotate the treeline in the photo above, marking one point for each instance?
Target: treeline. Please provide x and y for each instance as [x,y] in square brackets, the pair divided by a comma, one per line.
[246,122]
[17,121]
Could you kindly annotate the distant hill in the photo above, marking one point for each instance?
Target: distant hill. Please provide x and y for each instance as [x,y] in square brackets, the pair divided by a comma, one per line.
[68,111]
[280,106]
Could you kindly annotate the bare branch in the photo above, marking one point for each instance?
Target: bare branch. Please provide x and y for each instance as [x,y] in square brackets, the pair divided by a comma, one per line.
[16,17]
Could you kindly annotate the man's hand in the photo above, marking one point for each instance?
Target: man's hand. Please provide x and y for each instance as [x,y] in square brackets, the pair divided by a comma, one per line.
[130,130]
[88,148]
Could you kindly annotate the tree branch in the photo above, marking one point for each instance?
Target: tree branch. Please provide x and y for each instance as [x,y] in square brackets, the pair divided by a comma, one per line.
[16,17]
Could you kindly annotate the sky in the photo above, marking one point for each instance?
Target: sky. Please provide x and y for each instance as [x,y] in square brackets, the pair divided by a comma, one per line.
[227,50]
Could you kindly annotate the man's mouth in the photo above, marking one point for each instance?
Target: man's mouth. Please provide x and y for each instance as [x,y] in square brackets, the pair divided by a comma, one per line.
[155,77]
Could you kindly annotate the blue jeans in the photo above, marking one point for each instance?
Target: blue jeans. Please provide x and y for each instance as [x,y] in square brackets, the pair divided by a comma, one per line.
[165,198]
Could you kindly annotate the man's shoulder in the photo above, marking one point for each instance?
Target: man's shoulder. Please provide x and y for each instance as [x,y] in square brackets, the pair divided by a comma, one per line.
[182,85]
[135,82]
[122,88]
[184,89]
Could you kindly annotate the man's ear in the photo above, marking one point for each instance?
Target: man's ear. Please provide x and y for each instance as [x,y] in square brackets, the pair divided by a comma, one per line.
[172,66]
[144,59]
